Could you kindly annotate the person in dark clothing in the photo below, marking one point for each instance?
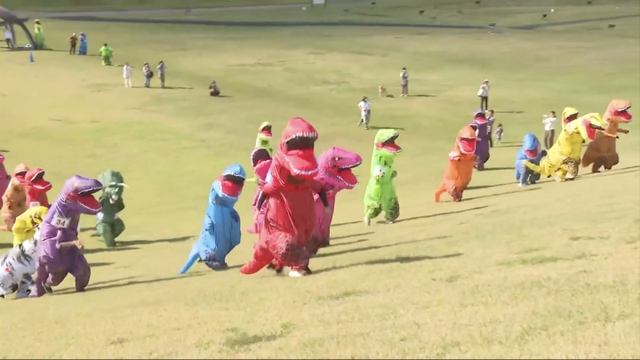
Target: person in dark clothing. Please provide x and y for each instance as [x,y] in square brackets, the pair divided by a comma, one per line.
[214,90]
[73,41]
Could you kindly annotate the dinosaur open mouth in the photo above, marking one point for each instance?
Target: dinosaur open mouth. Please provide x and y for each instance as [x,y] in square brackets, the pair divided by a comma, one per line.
[231,185]
[20,175]
[467,145]
[390,145]
[345,174]
[624,114]
[591,129]
[266,131]
[532,154]
[300,156]
[259,155]
[570,117]
[36,179]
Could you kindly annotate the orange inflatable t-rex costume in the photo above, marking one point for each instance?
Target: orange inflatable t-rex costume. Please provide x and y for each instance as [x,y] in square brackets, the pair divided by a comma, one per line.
[14,200]
[602,150]
[458,173]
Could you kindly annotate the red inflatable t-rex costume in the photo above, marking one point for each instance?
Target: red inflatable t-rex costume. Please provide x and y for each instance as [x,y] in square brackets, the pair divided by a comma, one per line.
[290,216]
[36,187]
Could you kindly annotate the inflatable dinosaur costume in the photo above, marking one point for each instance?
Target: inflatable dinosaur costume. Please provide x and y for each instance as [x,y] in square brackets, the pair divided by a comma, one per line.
[36,188]
[459,170]
[290,209]
[261,162]
[334,174]
[602,151]
[563,158]
[28,223]
[264,137]
[530,151]
[17,267]
[568,115]
[221,225]
[14,199]
[107,54]
[482,139]
[5,178]
[109,224]
[381,192]
[59,251]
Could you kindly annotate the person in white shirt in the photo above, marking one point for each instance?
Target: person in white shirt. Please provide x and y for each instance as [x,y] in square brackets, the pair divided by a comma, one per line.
[148,74]
[365,112]
[126,74]
[162,69]
[549,122]
[483,93]
[404,82]
[8,36]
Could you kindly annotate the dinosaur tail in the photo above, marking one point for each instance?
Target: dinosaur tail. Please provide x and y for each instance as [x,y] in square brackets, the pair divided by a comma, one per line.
[533,167]
[193,257]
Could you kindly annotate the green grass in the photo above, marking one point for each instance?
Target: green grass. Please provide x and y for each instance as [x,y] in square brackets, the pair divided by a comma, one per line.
[84,5]
[545,271]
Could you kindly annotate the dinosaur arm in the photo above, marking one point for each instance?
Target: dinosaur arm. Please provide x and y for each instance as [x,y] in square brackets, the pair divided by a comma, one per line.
[204,250]
[236,234]
[316,187]
[119,205]
[624,131]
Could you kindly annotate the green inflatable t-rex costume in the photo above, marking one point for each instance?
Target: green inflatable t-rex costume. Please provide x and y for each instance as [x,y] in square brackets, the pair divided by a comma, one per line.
[381,193]
[109,225]
[107,53]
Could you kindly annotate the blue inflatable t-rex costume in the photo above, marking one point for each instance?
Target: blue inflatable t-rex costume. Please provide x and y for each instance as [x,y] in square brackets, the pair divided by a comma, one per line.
[82,49]
[530,151]
[221,225]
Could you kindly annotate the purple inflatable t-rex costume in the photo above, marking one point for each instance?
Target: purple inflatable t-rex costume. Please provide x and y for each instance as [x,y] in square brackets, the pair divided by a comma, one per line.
[334,173]
[56,259]
[482,139]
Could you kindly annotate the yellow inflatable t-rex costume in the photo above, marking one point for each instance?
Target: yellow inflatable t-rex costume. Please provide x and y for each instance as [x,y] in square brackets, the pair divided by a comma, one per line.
[563,158]
[27,223]
[602,151]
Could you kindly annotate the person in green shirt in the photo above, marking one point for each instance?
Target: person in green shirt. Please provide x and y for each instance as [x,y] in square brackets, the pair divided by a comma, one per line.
[107,53]
[39,35]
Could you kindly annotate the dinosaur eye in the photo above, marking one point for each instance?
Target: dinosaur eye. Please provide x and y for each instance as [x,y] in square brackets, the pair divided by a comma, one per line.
[336,158]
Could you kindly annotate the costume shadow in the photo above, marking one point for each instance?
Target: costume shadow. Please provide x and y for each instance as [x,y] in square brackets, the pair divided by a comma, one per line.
[146,242]
[4,151]
[423,96]
[5,246]
[98,264]
[113,249]
[440,214]
[489,186]
[222,96]
[495,146]
[113,285]
[331,238]
[369,248]
[504,193]
[613,172]
[397,260]
[509,111]
[348,243]
[373,127]
[497,169]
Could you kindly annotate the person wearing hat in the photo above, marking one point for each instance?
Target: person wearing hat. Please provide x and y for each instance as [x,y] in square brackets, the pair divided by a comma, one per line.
[73,41]
[39,35]
[214,90]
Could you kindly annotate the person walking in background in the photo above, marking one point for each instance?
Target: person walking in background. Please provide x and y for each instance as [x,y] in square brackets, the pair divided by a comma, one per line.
[8,36]
[148,74]
[490,120]
[549,122]
[499,133]
[162,68]
[365,112]
[404,82]
[126,74]
[483,93]
[214,90]
[73,41]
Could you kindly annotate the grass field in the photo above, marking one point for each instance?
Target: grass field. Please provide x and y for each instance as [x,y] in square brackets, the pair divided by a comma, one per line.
[547,271]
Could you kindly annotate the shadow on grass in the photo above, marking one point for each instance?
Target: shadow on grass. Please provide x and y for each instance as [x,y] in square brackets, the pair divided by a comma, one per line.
[350,236]
[113,249]
[4,151]
[373,127]
[146,242]
[423,96]
[238,339]
[504,193]
[348,243]
[489,186]
[113,285]
[397,260]
[98,264]
[377,247]
[613,172]
[498,146]
[509,111]
[172,88]
[417,217]
[497,168]
[5,245]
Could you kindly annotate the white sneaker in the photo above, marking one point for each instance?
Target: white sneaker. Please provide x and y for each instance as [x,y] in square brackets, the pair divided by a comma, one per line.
[389,221]
[297,273]
[367,221]
[520,184]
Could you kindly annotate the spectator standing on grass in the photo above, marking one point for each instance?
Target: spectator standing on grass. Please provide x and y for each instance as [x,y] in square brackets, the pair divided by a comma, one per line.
[483,93]
[404,82]
[73,41]
[214,90]
[549,122]
[499,133]
[148,74]
[365,112]
[490,120]
[8,36]
[126,74]
[162,68]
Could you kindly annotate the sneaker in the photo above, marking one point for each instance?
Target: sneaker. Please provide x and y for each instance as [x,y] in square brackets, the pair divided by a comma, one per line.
[367,221]
[390,221]
[297,273]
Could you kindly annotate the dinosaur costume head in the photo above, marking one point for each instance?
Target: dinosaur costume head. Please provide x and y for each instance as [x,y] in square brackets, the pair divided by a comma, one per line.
[385,142]
[531,146]
[112,185]
[296,152]
[37,214]
[480,117]
[34,180]
[77,195]
[227,189]
[260,162]
[335,166]
[264,131]
[569,114]
[618,111]
[466,140]
[586,126]
[19,173]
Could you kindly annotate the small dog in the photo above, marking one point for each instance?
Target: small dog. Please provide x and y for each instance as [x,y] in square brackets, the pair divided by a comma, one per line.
[382,91]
